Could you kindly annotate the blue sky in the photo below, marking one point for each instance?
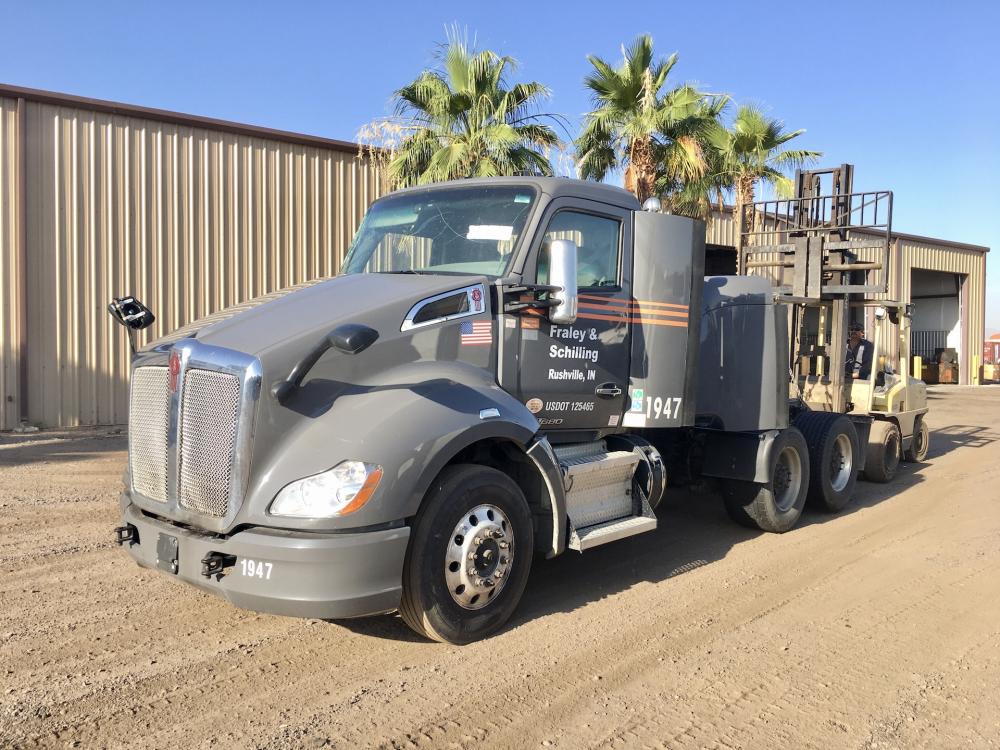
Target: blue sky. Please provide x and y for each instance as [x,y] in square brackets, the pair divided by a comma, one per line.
[909,92]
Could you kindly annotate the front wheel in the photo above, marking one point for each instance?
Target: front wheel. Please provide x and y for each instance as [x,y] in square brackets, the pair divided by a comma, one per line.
[776,505]
[917,451]
[469,555]
[882,455]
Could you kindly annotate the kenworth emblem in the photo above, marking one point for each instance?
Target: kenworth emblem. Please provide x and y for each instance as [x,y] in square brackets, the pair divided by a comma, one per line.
[174,369]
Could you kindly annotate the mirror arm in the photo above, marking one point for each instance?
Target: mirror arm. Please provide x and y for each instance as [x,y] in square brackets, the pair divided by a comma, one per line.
[537,288]
[350,338]
[537,304]
[284,388]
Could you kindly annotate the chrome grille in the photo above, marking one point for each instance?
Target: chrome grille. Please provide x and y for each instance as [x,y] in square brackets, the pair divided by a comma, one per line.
[210,406]
[149,421]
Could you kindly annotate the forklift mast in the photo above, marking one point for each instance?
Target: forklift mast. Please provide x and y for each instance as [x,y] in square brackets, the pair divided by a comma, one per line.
[825,248]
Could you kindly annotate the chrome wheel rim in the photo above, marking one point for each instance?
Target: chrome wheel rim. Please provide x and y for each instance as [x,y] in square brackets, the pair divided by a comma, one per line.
[787,479]
[479,556]
[841,462]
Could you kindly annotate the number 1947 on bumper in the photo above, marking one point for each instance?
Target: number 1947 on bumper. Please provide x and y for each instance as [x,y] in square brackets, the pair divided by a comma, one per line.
[256,569]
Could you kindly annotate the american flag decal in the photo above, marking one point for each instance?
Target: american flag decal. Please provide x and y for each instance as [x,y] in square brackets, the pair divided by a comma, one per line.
[477,332]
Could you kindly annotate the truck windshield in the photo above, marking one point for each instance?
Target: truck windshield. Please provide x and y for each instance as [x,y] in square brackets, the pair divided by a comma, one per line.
[468,230]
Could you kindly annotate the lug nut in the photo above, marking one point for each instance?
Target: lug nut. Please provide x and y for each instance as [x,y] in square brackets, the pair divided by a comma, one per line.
[477,541]
[472,555]
[503,545]
[498,574]
[503,560]
[472,571]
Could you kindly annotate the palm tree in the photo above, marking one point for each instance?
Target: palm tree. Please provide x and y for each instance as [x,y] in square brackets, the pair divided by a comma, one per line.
[464,120]
[751,152]
[655,135]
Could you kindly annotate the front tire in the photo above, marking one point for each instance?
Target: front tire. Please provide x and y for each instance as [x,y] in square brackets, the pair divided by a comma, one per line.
[469,556]
[882,456]
[777,505]
[921,441]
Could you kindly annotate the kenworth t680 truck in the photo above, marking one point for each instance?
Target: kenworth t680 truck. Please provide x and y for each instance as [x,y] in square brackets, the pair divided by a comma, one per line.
[505,369]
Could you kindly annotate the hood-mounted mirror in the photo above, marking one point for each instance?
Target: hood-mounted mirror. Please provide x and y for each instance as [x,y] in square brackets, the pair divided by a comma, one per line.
[349,338]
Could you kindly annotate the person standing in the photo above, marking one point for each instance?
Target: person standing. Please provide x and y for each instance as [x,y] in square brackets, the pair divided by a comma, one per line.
[858,362]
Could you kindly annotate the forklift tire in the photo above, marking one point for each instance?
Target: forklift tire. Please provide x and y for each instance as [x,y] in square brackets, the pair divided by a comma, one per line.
[777,505]
[882,456]
[917,451]
[469,555]
[833,450]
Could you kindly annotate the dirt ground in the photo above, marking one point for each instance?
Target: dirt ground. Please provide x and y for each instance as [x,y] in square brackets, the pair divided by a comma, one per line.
[879,627]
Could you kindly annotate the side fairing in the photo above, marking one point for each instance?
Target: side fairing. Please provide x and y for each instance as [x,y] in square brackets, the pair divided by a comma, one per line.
[743,370]
[669,260]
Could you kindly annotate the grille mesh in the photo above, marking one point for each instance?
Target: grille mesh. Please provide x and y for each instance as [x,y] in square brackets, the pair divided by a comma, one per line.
[210,404]
[148,420]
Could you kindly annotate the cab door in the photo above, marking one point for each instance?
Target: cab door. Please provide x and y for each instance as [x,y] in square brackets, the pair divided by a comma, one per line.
[575,377]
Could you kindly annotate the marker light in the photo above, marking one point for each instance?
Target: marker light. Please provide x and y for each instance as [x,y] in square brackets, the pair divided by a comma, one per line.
[337,492]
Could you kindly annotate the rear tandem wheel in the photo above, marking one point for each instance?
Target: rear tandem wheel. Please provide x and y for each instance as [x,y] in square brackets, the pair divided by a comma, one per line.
[833,448]
[776,505]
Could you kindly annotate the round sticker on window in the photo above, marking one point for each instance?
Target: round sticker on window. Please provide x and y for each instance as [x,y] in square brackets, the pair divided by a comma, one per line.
[534,405]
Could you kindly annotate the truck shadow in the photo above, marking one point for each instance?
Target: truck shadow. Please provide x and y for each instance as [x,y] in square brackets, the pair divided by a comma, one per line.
[694,530]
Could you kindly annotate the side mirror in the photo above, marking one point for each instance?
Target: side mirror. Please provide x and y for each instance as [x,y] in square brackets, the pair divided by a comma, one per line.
[131,313]
[562,274]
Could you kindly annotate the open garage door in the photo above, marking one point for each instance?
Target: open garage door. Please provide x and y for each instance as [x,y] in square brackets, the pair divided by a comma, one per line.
[937,331]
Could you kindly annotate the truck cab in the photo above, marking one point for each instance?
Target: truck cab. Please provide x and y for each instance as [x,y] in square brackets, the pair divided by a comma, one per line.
[505,369]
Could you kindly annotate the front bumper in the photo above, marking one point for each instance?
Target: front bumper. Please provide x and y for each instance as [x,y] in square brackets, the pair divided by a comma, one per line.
[299,574]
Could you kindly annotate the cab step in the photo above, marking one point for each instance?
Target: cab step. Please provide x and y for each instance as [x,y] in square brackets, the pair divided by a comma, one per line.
[599,499]
[609,531]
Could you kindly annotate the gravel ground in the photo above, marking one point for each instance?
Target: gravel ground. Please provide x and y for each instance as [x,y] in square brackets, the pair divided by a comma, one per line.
[878,627]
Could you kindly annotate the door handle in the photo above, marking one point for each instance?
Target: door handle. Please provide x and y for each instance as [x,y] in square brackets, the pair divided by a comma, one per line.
[608,389]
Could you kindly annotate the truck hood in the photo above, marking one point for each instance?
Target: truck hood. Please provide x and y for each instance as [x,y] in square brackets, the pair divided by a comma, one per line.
[310,310]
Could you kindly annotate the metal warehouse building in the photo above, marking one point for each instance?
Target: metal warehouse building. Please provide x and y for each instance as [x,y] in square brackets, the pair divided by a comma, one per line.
[192,215]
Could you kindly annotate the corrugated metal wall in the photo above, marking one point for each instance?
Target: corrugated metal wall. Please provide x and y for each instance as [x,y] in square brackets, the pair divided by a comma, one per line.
[190,220]
[721,228]
[9,297]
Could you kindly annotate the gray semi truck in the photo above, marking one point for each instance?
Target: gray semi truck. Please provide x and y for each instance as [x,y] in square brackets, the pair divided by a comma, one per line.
[506,369]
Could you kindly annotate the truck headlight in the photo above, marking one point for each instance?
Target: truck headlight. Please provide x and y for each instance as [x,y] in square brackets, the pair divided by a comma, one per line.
[336,492]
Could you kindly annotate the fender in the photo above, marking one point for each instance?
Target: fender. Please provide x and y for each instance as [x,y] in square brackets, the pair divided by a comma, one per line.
[536,448]
[411,423]
[544,458]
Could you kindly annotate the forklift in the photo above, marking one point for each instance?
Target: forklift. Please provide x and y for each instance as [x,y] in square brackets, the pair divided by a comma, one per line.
[827,253]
